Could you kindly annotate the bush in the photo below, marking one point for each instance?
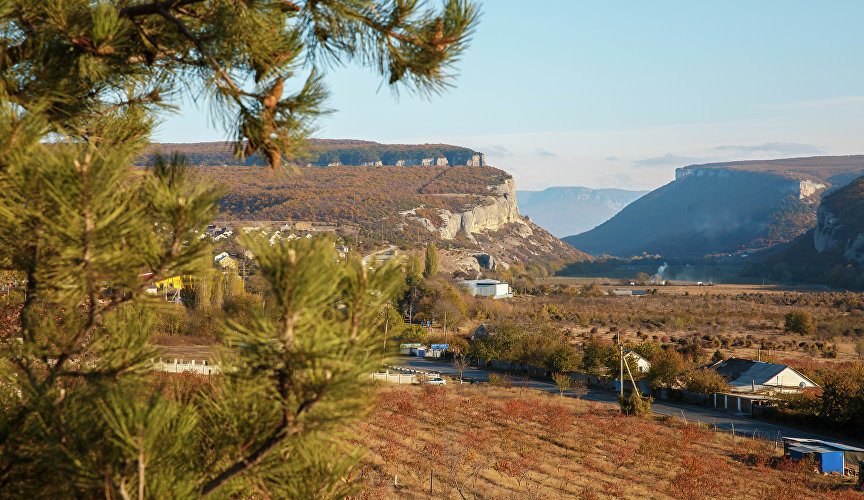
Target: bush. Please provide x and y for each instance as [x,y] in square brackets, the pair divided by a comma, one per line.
[500,380]
[800,322]
[636,404]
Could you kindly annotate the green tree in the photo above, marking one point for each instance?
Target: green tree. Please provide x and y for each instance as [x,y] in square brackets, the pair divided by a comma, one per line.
[859,349]
[596,355]
[81,85]
[562,359]
[443,303]
[706,381]
[415,334]
[563,382]
[800,322]
[414,270]
[666,368]
[431,268]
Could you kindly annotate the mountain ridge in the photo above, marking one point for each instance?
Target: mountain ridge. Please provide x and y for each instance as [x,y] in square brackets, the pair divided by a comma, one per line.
[720,208]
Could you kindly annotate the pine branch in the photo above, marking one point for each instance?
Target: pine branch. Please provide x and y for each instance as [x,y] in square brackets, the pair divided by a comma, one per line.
[245,463]
[279,435]
[161,10]
[154,8]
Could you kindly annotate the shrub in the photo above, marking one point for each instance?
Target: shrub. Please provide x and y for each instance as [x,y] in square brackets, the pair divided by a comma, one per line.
[635,404]
[800,322]
[500,380]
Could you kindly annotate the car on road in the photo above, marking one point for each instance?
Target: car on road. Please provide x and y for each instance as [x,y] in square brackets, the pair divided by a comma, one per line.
[435,381]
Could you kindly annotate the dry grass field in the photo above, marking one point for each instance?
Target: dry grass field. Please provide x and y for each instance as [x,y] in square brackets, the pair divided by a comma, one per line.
[494,443]
[740,320]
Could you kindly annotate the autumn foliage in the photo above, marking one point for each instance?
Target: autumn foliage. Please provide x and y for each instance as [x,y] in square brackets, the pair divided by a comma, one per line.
[487,442]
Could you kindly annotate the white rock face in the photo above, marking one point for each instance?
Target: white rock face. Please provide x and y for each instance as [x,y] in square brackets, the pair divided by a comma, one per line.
[829,233]
[855,251]
[492,215]
[495,211]
[808,188]
[804,188]
[824,234]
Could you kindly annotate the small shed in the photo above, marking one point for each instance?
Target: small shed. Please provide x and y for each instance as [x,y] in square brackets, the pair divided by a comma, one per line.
[851,454]
[487,288]
[406,348]
[829,459]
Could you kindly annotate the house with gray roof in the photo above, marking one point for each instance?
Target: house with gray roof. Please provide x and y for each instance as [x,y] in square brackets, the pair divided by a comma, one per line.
[745,375]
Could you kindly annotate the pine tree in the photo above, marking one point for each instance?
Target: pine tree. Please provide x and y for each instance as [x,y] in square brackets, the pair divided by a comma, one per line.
[431,268]
[81,85]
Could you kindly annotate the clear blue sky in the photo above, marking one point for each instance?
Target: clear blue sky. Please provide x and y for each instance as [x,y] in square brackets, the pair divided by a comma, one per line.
[619,93]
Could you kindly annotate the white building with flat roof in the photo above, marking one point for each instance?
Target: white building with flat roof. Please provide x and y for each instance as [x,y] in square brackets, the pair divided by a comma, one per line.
[488,288]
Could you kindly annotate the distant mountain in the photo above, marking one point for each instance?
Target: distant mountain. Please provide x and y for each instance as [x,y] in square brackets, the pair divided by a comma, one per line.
[720,208]
[571,209]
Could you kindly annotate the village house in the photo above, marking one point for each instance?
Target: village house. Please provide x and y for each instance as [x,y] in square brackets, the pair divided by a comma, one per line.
[745,375]
[642,364]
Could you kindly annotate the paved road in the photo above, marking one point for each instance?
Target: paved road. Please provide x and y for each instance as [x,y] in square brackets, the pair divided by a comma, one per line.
[367,258]
[742,424]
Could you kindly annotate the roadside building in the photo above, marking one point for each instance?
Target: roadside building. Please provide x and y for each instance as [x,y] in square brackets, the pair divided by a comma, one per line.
[745,375]
[487,288]
[642,364]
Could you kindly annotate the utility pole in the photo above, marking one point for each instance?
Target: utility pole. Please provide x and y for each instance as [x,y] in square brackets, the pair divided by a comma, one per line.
[386,324]
[621,365]
[445,326]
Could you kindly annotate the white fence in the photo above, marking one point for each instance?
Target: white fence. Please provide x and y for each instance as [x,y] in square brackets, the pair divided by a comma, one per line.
[201,368]
[402,375]
[396,378]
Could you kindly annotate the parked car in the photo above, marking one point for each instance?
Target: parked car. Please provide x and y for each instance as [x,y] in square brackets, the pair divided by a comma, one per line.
[435,381]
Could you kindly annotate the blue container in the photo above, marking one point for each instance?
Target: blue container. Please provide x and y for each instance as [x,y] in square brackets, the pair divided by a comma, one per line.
[829,460]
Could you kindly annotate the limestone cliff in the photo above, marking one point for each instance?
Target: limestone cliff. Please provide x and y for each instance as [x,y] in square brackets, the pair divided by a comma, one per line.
[840,222]
[495,228]
[495,211]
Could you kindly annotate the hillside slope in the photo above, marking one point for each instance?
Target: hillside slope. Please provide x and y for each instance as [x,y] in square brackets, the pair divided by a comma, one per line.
[471,207]
[723,208]
[566,210]
[840,222]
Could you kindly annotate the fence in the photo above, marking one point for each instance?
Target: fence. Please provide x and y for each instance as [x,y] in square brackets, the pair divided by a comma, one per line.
[396,378]
[201,368]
